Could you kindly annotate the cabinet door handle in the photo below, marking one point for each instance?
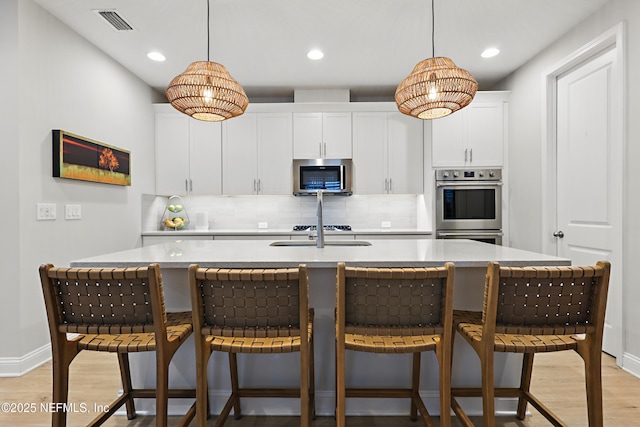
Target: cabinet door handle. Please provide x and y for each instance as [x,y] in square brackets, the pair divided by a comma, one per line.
[386,185]
[186,185]
[259,185]
[190,186]
[324,146]
[255,185]
[465,155]
[320,147]
[390,185]
[471,155]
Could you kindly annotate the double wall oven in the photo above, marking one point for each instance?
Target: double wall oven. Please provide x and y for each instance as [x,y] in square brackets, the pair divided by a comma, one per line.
[469,205]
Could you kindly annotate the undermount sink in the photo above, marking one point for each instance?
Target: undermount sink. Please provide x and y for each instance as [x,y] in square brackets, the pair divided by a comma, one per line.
[326,243]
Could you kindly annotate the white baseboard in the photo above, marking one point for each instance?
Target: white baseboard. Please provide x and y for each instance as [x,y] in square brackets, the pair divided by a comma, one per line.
[18,366]
[631,364]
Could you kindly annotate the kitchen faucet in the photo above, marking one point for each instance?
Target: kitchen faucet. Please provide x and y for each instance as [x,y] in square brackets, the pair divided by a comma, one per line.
[319,228]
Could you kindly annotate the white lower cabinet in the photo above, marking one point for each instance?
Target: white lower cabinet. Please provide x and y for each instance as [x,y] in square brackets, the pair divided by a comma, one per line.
[387,153]
[257,154]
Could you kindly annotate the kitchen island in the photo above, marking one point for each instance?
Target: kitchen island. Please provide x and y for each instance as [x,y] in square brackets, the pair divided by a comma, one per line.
[470,258]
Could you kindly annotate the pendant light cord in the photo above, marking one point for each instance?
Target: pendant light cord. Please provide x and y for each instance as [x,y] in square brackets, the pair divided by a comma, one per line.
[208,37]
[433,30]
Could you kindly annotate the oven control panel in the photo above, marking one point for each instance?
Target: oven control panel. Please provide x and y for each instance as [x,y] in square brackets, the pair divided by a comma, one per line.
[469,175]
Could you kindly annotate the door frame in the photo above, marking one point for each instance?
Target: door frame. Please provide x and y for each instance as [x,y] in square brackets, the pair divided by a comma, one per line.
[611,39]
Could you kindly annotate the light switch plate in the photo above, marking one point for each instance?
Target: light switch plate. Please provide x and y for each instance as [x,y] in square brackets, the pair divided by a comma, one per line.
[72,212]
[263,224]
[45,211]
[386,224]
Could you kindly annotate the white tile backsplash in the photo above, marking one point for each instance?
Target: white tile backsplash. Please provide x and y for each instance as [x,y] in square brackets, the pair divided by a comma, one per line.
[283,212]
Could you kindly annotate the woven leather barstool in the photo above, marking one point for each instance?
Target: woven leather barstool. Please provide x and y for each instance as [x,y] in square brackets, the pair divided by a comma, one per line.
[252,311]
[118,310]
[532,310]
[395,310]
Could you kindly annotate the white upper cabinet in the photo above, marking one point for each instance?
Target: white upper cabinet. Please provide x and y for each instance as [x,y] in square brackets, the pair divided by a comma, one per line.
[257,154]
[370,153]
[275,153]
[188,155]
[322,135]
[205,158]
[387,153]
[240,155]
[472,137]
[405,154]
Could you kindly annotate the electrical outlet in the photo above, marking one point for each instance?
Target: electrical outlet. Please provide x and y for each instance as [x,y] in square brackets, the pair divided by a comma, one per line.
[386,224]
[263,224]
[45,211]
[72,211]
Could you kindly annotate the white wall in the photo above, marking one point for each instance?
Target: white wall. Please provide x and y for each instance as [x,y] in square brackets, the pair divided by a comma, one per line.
[63,82]
[9,310]
[525,129]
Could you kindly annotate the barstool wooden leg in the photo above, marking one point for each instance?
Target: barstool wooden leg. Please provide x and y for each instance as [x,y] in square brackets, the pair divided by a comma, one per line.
[202,390]
[415,384]
[444,362]
[593,378]
[488,397]
[125,377]
[162,390]
[305,413]
[525,384]
[60,389]
[233,368]
[62,352]
[312,380]
[340,389]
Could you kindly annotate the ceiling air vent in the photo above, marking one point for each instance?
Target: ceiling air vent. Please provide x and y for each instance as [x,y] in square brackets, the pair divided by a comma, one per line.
[115,20]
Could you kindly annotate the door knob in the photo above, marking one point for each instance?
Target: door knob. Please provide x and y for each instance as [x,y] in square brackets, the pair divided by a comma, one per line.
[559,234]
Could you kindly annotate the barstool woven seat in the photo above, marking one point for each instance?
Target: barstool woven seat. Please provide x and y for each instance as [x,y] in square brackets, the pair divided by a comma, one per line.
[178,329]
[395,311]
[534,310]
[252,311]
[118,310]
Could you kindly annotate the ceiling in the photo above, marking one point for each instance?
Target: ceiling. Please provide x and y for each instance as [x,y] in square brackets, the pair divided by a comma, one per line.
[369,45]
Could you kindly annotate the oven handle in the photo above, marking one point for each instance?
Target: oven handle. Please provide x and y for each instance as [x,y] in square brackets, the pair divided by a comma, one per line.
[470,233]
[469,184]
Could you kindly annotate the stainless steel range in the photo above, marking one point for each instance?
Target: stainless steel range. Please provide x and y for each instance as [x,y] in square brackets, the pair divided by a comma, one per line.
[469,204]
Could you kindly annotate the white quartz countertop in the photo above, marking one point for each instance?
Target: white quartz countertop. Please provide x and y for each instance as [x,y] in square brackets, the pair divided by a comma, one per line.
[259,254]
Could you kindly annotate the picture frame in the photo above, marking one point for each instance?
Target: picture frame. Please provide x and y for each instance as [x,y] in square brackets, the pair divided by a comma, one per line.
[80,158]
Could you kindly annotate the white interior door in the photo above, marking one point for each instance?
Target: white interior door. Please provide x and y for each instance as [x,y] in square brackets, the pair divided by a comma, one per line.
[589,177]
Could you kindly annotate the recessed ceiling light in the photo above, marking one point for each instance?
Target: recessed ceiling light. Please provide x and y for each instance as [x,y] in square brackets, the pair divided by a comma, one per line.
[490,52]
[156,56]
[315,54]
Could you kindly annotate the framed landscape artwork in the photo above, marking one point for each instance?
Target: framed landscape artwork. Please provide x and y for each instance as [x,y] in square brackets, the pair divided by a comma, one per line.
[76,157]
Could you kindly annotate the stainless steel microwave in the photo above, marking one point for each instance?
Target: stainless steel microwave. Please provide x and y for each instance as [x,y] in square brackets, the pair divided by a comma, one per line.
[329,175]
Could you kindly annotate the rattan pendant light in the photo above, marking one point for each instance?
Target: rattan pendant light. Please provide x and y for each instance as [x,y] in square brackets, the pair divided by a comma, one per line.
[436,87]
[206,90]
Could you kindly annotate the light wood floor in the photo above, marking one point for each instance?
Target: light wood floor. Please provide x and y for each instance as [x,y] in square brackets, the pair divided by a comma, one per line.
[558,380]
